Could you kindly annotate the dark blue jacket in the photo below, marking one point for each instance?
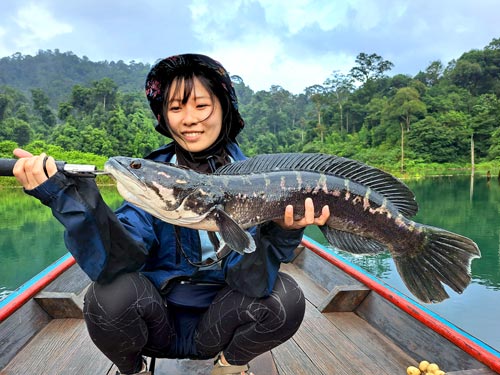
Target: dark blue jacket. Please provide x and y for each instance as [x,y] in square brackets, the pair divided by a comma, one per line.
[107,243]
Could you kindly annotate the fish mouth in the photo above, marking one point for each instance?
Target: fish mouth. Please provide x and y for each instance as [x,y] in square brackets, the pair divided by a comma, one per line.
[120,169]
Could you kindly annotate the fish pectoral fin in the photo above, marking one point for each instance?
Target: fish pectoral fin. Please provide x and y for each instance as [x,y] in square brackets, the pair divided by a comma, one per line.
[232,234]
[221,248]
[351,242]
[223,251]
[214,240]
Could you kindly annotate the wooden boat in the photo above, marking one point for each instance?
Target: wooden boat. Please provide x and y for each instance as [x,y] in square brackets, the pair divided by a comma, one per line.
[354,324]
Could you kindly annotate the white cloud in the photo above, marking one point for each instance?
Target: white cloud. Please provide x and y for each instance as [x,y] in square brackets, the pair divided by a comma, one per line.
[37,25]
[258,54]
[295,15]
[291,43]
[3,49]
[263,62]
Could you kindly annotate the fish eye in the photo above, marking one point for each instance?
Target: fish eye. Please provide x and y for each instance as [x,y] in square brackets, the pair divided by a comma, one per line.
[135,164]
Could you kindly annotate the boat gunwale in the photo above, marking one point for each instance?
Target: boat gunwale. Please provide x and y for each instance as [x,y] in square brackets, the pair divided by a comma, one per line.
[469,344]
[32,287]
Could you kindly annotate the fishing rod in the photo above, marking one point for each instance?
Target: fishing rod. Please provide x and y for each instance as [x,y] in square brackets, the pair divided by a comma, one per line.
[81,170]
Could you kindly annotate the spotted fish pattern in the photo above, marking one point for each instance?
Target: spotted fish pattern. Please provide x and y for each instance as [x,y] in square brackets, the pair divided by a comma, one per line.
[370,209]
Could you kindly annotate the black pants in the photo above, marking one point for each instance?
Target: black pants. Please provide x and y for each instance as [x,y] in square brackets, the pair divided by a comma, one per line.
[128,318]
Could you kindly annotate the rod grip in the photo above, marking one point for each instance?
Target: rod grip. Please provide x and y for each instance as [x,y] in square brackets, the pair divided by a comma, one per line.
[7,166]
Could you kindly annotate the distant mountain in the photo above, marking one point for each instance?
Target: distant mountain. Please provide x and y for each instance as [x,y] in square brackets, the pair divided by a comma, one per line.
[57,72]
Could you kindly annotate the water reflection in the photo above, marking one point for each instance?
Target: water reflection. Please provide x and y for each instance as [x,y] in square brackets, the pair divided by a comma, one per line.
[30,237]
[471,207]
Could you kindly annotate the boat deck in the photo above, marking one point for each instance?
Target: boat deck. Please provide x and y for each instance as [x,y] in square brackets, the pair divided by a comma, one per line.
[328,342]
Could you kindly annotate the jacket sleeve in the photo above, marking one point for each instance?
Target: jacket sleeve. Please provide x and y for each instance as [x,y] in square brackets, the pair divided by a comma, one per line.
[100,243]
[255,274]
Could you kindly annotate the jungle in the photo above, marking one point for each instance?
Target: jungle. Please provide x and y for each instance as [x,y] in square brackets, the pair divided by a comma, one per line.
[443,120]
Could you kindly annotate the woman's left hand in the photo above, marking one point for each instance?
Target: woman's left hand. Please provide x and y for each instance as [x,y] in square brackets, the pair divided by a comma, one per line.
[288,221]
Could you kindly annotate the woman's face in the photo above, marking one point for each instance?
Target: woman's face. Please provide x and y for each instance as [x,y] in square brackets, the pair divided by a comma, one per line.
[195,125]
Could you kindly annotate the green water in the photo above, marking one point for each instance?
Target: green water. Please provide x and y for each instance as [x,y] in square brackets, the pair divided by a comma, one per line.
[31,239]
[470,208]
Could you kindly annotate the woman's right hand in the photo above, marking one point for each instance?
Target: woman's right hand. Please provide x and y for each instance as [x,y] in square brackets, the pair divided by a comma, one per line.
[29,170]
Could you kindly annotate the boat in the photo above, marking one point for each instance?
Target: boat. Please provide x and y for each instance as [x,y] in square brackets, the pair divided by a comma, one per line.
[354,324]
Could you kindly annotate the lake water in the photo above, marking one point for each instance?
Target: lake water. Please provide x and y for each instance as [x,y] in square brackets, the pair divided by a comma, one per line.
[31,239]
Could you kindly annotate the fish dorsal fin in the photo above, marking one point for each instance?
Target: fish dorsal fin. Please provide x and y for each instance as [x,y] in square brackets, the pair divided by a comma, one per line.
[381,182]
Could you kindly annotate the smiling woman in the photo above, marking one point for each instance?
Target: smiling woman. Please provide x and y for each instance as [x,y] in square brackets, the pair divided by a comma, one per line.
[195,118]
[151,272]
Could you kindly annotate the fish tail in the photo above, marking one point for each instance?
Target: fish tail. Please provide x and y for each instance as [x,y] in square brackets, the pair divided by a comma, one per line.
[442,258]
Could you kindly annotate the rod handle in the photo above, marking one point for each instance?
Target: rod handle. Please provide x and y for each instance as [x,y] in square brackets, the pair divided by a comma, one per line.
[7,166]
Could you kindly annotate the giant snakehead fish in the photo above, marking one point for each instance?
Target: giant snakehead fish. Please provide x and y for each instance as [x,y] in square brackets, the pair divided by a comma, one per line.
[370,210]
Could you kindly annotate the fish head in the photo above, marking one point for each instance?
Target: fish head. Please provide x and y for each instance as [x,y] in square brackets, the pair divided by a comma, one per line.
[157,188]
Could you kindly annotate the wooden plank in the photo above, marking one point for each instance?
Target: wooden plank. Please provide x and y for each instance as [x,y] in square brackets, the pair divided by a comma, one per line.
[62,347]
[329,349]
[19,328]
[312,291]
[73,280]
[378,348]
[182,366]
[263,364]
[290,359]
[483,371]
[61,305]
[344,298]
[63,298]
[347,345]
[321,272]
[415,338]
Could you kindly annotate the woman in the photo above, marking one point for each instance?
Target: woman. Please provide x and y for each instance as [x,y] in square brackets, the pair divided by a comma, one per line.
[156,290]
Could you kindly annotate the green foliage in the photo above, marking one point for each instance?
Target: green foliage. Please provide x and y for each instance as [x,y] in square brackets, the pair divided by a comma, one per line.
[81,111]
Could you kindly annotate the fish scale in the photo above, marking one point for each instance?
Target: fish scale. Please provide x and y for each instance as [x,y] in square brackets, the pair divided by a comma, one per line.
[370,210]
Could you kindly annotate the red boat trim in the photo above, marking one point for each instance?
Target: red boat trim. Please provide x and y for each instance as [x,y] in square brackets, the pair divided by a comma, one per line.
[474,347]
[25,292]
[469,344]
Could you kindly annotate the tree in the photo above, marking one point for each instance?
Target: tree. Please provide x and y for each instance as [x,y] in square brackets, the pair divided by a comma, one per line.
[41,106]
[467,74]
[432,74]
[6,148]
[405,107]
[374,132]
[243,92]
[370,67]
[18,131]
[82,100]
[340,86]
[440,140]
[279,102]
[65,110]
[4,103]
[316,95]
[485,120]
[105,92]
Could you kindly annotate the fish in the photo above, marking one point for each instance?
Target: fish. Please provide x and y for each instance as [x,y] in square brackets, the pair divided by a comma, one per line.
[371,210]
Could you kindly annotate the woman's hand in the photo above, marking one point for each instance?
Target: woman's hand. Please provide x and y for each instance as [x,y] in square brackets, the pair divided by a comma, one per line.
[288,221]
[32,171]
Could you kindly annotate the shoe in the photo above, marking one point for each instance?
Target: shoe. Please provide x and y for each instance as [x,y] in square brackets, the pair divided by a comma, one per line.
[144,370]
[220,369]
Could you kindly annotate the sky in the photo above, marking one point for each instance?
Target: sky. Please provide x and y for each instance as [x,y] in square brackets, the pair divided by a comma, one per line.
[291,43]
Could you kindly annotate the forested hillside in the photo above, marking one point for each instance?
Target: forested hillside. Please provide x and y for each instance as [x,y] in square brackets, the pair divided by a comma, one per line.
[394,122]
[56,73]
